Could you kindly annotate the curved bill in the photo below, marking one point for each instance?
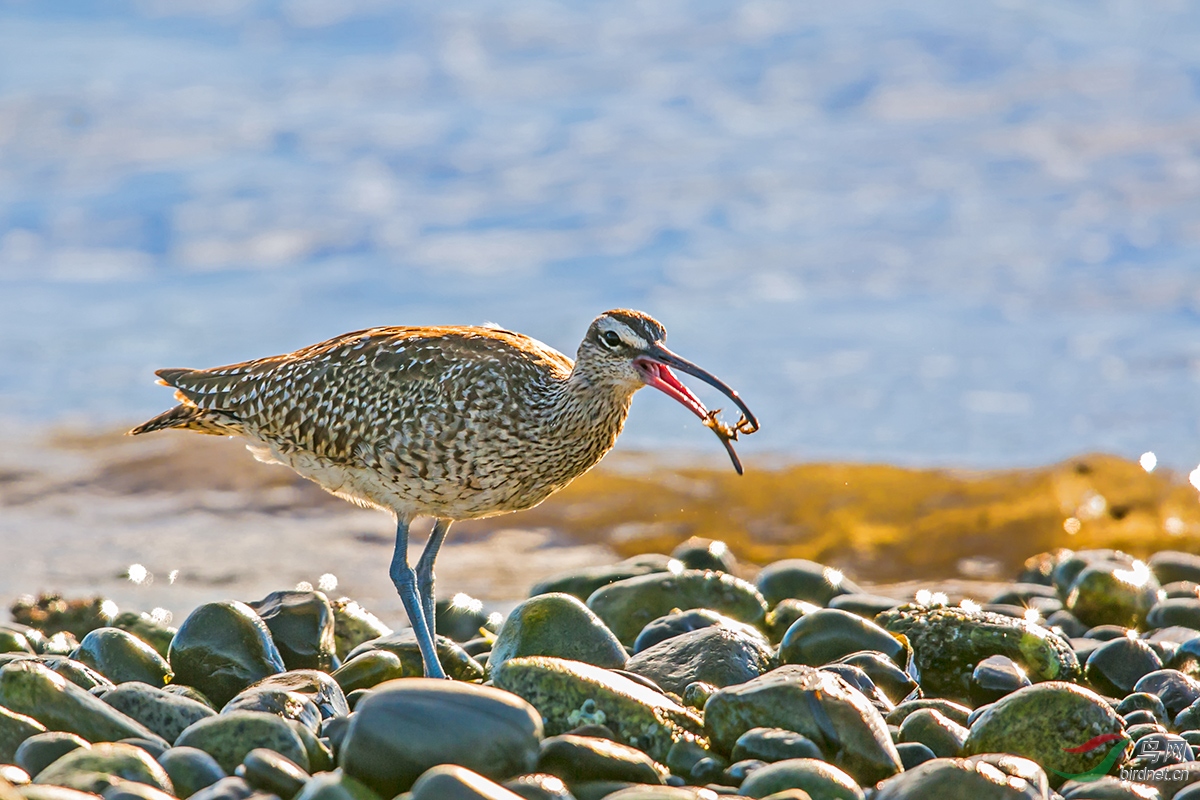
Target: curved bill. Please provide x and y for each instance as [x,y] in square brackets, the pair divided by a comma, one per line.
[654,366]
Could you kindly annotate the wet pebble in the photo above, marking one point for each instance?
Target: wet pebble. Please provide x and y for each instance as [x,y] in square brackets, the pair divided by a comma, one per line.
[717,655]
[537,786]
[829,634]
[280,702]
[164,713]
[335,786]
[999,777]
[85,768]
[1176,690]
[302,628]
[221,648]
[700,553]
[803,580]
[190,769]
[1115,667]
[121,656]
[913,754]
[577,758]
[1170,566]
[994,677]
[947,708]
[268,771]
[454,660]
[582,583]
[929,727]
[43,749]
[820,705]
[452,782]
[558,625]
[818,778]
[146,628]
[229,737]
[680,622]
[368,669]
[1115,593]
[15,729]
[629,605]
[28,687]
[406,726]
[773,744]
[894,682]
[1181,611]
[868,606]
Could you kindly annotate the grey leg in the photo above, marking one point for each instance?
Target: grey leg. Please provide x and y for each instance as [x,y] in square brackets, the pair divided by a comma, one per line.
[405,580]
[425,570]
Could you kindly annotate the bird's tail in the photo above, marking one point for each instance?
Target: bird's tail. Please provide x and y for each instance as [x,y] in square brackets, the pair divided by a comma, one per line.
[188,417]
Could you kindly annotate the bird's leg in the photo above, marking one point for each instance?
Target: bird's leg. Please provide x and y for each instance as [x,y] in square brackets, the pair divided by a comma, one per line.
[425,571]
[405,580]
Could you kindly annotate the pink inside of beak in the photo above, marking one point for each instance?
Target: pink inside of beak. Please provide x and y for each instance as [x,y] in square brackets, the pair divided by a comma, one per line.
[661,378]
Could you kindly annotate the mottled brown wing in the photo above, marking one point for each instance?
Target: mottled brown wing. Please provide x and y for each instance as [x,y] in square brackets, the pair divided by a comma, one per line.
[357,395]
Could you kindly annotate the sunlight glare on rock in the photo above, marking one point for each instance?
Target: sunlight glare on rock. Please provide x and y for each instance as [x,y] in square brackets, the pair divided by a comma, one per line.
[968,604]
[1032,615]
[718,549]
[675,566]
[138,574]
[109,610]
[161,615]
[923,596]
[304,586]
[1136,576]
[1148,461]
[1194,477]
[327,582]
[833,577]
[465,602]
[172,576]
[1072,525]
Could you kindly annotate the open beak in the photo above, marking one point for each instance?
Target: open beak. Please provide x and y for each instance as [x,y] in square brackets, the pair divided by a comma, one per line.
[654,366]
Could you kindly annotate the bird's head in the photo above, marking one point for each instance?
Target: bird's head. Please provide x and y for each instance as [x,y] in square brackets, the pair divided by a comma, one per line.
[627,348]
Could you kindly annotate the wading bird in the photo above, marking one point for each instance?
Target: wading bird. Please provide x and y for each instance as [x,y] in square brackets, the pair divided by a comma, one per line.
[448,422]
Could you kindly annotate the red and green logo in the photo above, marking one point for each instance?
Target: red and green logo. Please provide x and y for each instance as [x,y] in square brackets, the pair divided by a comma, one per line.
[1095,743]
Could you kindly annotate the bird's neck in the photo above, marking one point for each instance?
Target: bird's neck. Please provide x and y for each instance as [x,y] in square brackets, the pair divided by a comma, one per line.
[589,413]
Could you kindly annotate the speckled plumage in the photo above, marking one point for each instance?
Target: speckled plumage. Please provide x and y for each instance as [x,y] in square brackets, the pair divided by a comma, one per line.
[451,422]
[454,422]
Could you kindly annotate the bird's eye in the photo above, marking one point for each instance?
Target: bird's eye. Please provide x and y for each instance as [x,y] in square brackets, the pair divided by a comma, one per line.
[611,339]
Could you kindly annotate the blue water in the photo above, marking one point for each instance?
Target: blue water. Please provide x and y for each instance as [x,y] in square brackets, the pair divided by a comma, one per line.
[926,233]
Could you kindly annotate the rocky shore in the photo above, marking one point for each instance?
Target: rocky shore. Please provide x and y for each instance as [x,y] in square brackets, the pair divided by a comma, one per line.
[653,678]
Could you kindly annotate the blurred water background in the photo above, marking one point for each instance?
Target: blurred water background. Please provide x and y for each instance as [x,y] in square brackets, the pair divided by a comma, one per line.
[927,233]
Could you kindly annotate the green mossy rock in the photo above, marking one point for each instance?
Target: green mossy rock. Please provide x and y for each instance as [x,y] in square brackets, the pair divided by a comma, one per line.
[165,713]
[368,669]
[1113,593]
[221,648]
[948,642]
[818,704]
[43,749]
[229,737]
[32,689]
[1041,722]
[557,625]
[583,758]
[629,605]
[76,768]
[568,694]
[122,657]
[353,625]
[146,628]
[14,730]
